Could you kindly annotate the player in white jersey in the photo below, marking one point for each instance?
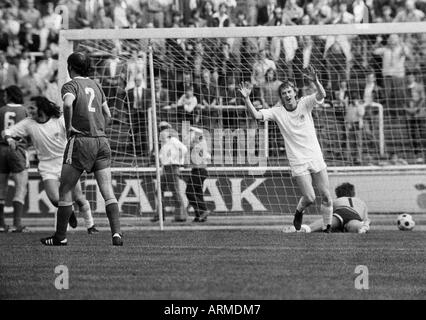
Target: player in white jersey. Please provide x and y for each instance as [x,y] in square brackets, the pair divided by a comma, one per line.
[46,128]
[350,214]
[294,118]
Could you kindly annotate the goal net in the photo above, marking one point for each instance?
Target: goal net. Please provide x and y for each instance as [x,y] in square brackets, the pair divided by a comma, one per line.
[371,126]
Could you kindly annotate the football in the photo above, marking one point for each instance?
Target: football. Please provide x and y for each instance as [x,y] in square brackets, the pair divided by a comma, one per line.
[405,222]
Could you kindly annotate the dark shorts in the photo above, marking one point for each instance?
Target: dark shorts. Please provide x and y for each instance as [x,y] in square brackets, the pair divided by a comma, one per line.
[345,215]
[88,154]
[13,161]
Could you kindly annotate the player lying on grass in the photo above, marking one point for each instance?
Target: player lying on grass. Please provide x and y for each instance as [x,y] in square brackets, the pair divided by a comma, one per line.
[294,118]
[350,214]
[46,128]
[86,116]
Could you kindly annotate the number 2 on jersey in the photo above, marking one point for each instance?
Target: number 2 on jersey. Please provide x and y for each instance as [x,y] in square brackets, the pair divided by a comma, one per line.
[90,92]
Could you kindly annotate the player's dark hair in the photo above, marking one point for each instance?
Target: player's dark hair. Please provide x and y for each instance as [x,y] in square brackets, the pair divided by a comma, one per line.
[80,63]
[14,95]
[345,190]
[47,106]
[286,84]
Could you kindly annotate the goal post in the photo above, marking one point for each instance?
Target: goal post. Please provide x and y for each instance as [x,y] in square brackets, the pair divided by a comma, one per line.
[248,169]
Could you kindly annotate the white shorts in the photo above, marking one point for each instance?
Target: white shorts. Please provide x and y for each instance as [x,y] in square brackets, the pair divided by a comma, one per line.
[50,169]
[313,166]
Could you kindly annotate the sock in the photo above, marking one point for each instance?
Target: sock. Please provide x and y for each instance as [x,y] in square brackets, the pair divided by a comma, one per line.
[327,214]
[18,210]
[2,222]
[113,215]
[62,219]
[300,207]
[87,214]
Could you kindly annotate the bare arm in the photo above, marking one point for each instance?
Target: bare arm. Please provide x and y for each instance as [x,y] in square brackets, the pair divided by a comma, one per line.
[68,101]
[245,90]
[107,113]
[312,75]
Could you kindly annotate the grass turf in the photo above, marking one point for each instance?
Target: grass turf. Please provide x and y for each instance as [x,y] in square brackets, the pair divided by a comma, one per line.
[216,264]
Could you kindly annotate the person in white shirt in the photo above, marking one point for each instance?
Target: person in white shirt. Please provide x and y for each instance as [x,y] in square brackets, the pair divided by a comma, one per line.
[46,128]
[172,157]
[294,118]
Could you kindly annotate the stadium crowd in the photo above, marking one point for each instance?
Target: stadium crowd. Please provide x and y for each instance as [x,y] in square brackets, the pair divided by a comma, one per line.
[195,75]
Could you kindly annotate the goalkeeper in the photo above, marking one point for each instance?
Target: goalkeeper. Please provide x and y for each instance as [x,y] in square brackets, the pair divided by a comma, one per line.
[294,118]
[350,214]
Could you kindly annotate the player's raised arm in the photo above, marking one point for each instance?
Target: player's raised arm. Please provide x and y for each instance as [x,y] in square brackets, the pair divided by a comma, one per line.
[312,75]
[245,89]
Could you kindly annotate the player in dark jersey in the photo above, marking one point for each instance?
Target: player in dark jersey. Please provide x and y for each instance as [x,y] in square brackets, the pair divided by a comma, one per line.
[86,113]
[13,161]
[350,213]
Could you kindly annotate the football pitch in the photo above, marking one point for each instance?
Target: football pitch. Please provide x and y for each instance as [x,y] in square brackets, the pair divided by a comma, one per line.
[215,263]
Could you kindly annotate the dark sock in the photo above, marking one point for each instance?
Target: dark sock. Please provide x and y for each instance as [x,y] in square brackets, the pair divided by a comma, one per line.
[2,222]
[113,217]
[18,210]
[62,219]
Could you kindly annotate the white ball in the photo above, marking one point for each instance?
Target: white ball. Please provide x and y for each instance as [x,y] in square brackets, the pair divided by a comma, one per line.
[405,222]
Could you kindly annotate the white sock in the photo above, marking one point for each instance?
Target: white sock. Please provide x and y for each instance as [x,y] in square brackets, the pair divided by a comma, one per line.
[327,214]
[87,215]
[300,207]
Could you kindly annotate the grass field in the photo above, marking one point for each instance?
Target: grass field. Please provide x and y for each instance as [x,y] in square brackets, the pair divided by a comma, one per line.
[216,264]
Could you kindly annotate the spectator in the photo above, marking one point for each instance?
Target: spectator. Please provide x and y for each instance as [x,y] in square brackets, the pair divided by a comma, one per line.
[102,21]
[51,89]
[197,20]
[207,13]
[30,83]
[393,70]
[186,105]
[341,43]
[47,66]
[354,119]
[311,12]
[292,13]
[386,16]
[8,76]
[112,72]
[119,11]
[161,97]
[409,13]
[11,24]
[416,115]
[86,13]
[138,103]
[137,64]
[207,97]
[241,20]
[266,13]
[200,158]
[134,20]
[72,8]
[306,43]
[230,99]
[52,23]
[29,14]
[221,18]
[360,11]
[28,39]
[4,37]
[23,63]
[156,13]
[172,156]
[269,93]
[260,66]
[252,12]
